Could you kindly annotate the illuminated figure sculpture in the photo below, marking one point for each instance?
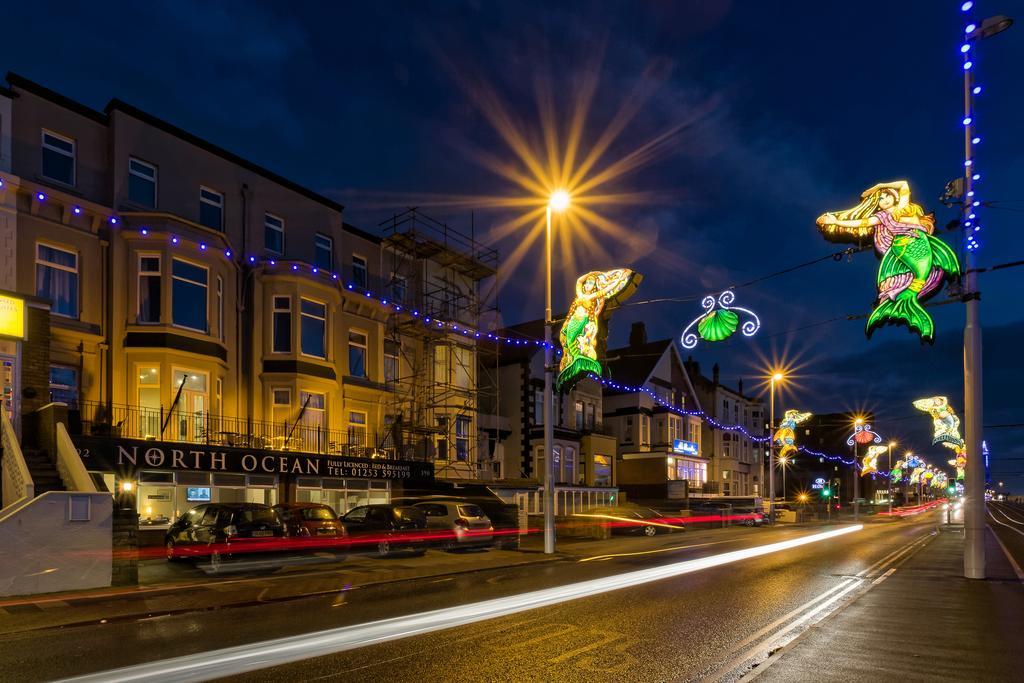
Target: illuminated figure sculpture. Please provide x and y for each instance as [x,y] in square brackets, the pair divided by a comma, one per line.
[785,435]
[914,262]
[719,321]
[597,294]
[897,472]
[870,462]
[946,429]
[915,476]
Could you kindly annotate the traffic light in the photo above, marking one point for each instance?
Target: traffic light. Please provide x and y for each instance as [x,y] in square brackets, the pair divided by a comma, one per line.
[826,493]
[951,489]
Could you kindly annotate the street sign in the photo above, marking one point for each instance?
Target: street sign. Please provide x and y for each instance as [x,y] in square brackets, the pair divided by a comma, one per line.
[819,483]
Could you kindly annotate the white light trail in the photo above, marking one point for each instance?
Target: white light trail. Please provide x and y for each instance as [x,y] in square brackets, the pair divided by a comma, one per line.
[240,659]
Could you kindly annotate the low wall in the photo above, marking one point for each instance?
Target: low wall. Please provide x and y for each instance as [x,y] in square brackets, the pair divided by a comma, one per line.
[58,541]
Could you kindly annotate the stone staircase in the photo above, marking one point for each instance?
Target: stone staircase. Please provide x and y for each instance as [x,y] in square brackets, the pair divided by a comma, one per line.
[44,472]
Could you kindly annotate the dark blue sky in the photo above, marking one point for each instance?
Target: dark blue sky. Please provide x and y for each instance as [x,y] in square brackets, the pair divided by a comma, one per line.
[793,108]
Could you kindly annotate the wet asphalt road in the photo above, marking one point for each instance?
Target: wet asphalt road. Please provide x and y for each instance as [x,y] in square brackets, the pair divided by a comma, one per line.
[674,629]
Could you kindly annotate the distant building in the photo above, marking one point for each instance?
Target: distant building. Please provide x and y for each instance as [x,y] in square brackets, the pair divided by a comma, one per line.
[735,459]
[827,433]
[660,452]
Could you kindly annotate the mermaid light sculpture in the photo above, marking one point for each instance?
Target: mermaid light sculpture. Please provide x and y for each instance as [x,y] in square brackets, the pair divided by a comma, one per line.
[870,462]
[785,435]
[914,262]
[598,293]
[946,429]
[897,472]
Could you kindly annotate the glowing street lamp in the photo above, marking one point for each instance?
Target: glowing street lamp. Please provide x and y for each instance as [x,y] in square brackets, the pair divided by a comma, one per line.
[559,201]
[776,377]
[783,461]
[891,444]
[861,434]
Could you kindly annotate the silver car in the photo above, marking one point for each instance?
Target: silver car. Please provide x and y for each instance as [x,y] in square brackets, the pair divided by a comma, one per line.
[460,524]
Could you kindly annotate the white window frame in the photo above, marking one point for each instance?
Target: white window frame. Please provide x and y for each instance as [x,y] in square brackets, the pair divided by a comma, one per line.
[364,266]
[351,426]
[205,286]
[147,274]
[155,179]
[274,310]
[464,438]
[63,152]
[220,307]
[388,354]
[395,280]
[330,248]
[58,266]
[365,346]
[268,224]
[303,314]
[210,202]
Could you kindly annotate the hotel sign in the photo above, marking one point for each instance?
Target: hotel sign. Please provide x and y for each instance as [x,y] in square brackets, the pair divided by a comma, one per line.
[12,317]
[685,447]
[126,456]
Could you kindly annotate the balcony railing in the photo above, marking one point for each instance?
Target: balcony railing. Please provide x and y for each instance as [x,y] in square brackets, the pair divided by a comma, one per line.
[202,427]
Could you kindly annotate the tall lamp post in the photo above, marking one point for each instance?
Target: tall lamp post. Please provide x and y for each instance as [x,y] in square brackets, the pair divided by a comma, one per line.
[559,201]
[783,461]
[776,377]
[891,444]
[861,434]
[974,503]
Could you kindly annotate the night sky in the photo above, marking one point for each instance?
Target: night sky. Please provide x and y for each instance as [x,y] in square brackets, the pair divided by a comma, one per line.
[775,113]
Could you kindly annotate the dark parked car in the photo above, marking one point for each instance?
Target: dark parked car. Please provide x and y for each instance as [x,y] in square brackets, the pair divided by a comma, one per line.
[218,531]
[388,527]
[311,524]
[635,520]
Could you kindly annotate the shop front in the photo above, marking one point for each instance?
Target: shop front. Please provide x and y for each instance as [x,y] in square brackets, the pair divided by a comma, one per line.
[168,478]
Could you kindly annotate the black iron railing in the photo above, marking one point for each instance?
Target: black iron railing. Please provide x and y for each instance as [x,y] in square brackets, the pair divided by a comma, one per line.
[181,425]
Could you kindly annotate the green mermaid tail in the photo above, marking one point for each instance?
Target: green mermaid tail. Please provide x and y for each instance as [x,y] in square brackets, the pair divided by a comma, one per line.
[910,257]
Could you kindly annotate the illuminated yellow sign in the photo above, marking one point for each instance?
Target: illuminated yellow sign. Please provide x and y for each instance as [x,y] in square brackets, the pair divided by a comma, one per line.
[12,317]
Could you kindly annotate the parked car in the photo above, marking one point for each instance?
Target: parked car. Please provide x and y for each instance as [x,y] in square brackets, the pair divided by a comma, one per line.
[747,516]
[505,517]
[312,524]
[464,524]
[636,520]
[219,531]
[388,527]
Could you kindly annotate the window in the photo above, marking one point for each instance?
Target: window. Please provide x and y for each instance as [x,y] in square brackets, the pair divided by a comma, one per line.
[602,470]
[188,291]
[324,254]
[645,430]
[220,307]
[589,421]
[273,233]
[218,393]
[281,405]
[63,385]
[391,350]
[399,288]
[282,322]
[141,183]
[628,436]
[359,274]
[314,410]
[356,428]
[58,158]
[462,438]
[579,415]
[538,406]
[462,366]
[442,371]
[149,401]
[569,465]
[314,328]
[211,208]
[57,279]
[356,354]
[149,289]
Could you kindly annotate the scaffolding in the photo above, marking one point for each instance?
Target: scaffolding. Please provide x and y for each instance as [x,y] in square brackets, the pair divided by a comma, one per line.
[440,274]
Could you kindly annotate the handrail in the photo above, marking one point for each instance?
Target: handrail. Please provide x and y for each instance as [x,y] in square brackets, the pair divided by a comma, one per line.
[69,465]
[17,480]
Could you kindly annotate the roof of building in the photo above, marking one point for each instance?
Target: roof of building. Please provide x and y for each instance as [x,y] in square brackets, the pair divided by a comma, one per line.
[632,365]
[359,232]
[169,128]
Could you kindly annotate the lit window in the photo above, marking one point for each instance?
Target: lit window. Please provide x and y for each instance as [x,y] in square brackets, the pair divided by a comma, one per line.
[220,307]
[57,279]
[359,272]
[149,401]
[58,158]
[356,354]
[149,289]
[324,256]
[356,428]
[273,233]
[64,385]
[211,208]
[281,405]
[314,328]
[462,424]
[189,296]
[141,183]
[282,321]
[462,366]
[602,470]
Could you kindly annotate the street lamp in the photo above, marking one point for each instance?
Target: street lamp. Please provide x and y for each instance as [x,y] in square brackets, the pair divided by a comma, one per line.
[783,461]
[856,477]
[559,201]
[891,444]
[974,507]
[776,377]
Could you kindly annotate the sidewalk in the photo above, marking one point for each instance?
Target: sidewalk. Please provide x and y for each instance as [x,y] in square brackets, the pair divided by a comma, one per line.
[924,623]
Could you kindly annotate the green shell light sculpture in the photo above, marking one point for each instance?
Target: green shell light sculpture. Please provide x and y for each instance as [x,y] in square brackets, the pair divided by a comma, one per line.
[719,321]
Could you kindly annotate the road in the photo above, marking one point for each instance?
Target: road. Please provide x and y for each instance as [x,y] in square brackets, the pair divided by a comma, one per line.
[719,620]
[1007,521]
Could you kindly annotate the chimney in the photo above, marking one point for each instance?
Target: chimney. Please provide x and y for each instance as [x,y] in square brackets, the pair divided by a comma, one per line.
[714,373]
[638,334]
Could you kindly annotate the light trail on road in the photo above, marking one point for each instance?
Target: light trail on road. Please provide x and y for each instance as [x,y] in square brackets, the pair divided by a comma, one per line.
[244,658]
